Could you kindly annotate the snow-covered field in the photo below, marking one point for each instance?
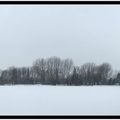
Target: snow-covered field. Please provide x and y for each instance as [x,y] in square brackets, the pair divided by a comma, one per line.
[67,100]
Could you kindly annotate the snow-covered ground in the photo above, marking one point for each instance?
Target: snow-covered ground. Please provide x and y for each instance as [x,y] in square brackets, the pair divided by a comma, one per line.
[67,100]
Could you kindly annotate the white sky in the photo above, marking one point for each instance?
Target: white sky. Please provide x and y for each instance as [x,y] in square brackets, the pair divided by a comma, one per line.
[85,33]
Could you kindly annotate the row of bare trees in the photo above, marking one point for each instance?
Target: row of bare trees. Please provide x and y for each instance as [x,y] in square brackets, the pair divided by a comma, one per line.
[56,71]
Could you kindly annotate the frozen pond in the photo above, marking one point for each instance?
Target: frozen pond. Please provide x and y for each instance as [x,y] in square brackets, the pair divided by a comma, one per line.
[68,100]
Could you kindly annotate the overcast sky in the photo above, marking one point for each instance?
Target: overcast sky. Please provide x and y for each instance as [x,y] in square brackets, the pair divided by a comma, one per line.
[85,33]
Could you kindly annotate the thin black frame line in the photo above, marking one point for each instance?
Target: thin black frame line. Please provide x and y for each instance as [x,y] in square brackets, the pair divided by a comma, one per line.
[60,2]
[57,117]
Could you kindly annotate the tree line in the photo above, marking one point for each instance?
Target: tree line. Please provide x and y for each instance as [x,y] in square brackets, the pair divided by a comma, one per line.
[56,71]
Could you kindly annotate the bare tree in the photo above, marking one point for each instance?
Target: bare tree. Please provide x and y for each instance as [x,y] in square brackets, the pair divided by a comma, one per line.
[87,73]
[39,69]
[104,72]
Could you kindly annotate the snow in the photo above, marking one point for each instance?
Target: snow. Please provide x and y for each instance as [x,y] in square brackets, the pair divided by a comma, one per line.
[57,100]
